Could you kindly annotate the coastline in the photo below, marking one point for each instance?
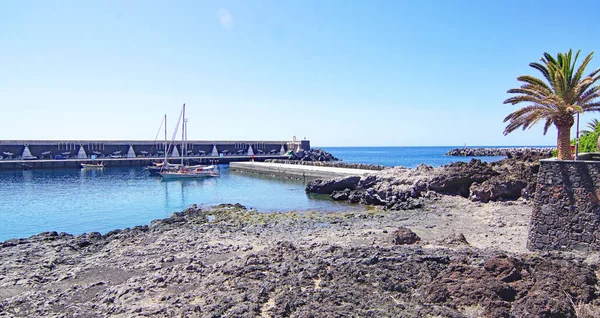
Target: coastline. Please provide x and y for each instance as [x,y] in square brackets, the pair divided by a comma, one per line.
[228,261]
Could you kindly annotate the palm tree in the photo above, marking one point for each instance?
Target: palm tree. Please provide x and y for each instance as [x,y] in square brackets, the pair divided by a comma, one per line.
[593,125]
[564,92]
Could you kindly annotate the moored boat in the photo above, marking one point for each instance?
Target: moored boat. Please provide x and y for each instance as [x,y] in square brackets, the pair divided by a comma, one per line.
[185,173]
[98,165]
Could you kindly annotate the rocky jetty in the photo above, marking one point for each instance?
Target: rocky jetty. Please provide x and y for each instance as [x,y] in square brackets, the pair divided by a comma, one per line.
[314,154]
[336,164]
[230,262]
[545,152]
[402,188]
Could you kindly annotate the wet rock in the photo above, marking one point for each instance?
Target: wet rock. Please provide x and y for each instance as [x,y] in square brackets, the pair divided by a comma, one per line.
[404,236]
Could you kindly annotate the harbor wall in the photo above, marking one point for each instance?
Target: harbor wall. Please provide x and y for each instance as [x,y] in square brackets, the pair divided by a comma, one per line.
[49,149]
[566,209]
[34,154]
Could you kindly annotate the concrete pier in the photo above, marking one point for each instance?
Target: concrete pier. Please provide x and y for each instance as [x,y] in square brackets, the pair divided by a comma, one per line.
[296,171]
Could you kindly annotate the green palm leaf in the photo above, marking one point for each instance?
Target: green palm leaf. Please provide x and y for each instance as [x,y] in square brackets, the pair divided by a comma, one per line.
[562,92]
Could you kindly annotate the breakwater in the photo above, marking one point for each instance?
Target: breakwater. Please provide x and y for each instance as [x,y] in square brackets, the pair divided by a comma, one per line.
[19,154]
[493,152]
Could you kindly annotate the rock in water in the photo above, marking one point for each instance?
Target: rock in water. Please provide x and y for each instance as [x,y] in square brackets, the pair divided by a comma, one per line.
[404,236]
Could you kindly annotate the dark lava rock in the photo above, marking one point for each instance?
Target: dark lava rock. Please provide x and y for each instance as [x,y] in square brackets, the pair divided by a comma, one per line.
[507,269]
[455,240]
[457,177]
[519,153]
[329,185]
[404,236]
[338,195]
[495,189]
[313,154]
[406,204]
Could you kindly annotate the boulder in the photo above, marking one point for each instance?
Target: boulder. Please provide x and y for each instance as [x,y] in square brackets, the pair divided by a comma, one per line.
[404,236]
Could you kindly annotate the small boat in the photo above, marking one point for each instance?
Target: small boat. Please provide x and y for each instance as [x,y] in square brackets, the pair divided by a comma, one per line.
[98,165]
[45,153]
[6,153]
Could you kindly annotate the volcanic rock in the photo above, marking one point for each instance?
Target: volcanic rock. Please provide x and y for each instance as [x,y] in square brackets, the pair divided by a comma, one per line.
[404,236]
[328,186]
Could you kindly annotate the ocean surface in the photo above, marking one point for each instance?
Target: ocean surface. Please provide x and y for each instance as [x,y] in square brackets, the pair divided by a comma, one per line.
[78,201]
[409,157]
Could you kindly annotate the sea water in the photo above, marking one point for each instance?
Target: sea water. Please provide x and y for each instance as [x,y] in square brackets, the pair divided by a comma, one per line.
[409,157]
[78,201]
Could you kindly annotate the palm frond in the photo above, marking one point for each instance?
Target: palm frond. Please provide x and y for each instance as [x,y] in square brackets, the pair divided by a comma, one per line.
[563,91]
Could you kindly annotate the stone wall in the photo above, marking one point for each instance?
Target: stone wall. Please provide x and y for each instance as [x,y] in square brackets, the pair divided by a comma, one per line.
[566,210]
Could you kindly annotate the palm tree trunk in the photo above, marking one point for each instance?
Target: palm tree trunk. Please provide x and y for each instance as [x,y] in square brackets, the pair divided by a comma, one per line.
[564,139]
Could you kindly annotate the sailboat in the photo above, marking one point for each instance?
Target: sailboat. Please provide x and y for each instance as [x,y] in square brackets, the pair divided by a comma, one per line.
[185,172]
[157,168]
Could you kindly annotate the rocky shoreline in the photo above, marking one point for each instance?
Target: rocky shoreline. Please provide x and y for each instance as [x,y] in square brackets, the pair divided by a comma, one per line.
[226,261]
[402,188]
[495,152]
[425,245]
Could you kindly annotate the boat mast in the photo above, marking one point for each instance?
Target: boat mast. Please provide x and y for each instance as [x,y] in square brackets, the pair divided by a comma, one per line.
[183,134]
[166,149]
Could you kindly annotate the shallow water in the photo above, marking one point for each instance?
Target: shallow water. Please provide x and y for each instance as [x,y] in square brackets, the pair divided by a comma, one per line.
[78,201]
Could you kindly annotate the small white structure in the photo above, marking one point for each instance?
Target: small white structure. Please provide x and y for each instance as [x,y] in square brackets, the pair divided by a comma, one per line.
[282,150]
[130,152]
[175,152]
[214,151]
[81,153]
[26,153]
[250,151]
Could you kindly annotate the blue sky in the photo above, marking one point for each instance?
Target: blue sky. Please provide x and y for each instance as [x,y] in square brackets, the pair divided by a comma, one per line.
[340,73]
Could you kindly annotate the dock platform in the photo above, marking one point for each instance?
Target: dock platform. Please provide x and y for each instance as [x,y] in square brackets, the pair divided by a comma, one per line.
[303,172]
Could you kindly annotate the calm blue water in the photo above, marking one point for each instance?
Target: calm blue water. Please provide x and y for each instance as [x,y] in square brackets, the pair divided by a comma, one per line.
[409,157]
[77,201]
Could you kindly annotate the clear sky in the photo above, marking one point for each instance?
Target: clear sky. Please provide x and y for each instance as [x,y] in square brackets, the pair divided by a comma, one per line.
[340,73]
